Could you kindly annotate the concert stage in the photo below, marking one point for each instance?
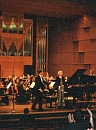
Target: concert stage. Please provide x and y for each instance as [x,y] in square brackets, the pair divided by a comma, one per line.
[50,119]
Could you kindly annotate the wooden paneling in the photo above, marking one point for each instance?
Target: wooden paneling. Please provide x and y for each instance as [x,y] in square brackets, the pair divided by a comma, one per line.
[93,44]
[53,8]
[90,57]
[0,71]
[84,46]
[81,57]
[80,34]
[93,32]
[75,57]
[14,65]
[65,45]
[81,49]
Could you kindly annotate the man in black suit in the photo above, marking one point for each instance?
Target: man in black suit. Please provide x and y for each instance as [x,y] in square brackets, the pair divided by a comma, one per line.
[38,90]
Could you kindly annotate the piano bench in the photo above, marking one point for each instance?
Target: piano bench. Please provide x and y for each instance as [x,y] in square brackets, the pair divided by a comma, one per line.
[50,99]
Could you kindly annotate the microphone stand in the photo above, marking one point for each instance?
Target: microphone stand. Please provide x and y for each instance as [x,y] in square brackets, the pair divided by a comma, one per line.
[13,99]
[13,89]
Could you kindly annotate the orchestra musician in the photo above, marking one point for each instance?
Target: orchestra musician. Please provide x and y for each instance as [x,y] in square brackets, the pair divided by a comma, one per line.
[38,90]
[59,86]
[11,84]
[8,83]
[28,81]
[3,96]
[32,84]
[1,88]
[23,96]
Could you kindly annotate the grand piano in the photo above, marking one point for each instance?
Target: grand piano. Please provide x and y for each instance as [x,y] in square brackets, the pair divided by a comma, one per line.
[80,84]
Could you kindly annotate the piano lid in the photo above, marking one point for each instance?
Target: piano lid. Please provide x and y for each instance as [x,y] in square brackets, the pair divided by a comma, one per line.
[91,79]
[78,77]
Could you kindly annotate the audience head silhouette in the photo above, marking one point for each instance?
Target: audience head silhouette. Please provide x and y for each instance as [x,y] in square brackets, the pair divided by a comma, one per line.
[78,115]
[26,111]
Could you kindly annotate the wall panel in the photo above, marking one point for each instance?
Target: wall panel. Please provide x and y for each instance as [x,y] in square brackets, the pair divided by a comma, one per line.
[77,49]
[93,32]
[14,65]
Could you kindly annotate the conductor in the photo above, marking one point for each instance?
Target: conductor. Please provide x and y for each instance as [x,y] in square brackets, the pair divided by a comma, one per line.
[38,90]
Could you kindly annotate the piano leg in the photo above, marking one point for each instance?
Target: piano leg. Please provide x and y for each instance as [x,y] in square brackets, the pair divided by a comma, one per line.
[74,101]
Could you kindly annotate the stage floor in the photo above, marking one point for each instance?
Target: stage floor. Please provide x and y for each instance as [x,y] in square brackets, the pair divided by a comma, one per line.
[10,116]
[19,108]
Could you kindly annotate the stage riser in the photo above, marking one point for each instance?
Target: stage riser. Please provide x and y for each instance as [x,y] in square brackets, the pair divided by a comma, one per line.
[38,119]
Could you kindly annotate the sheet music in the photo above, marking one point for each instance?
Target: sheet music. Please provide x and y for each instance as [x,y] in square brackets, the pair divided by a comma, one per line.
[8,86]
[51,85]
[32,85]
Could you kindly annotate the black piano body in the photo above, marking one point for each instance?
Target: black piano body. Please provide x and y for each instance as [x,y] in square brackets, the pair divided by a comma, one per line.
[80,84]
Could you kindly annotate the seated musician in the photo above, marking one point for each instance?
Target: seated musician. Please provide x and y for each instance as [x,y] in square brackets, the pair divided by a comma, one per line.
[28,80]
[38,90]
[3,96]
[52,91]
[8,85]
[11,85]
[22,96]
[27,84]
[32,84]
[1,88]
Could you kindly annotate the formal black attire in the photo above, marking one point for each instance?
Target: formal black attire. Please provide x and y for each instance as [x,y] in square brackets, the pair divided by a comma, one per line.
[39,84]
[59,82]
[59,85]
[23,96]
